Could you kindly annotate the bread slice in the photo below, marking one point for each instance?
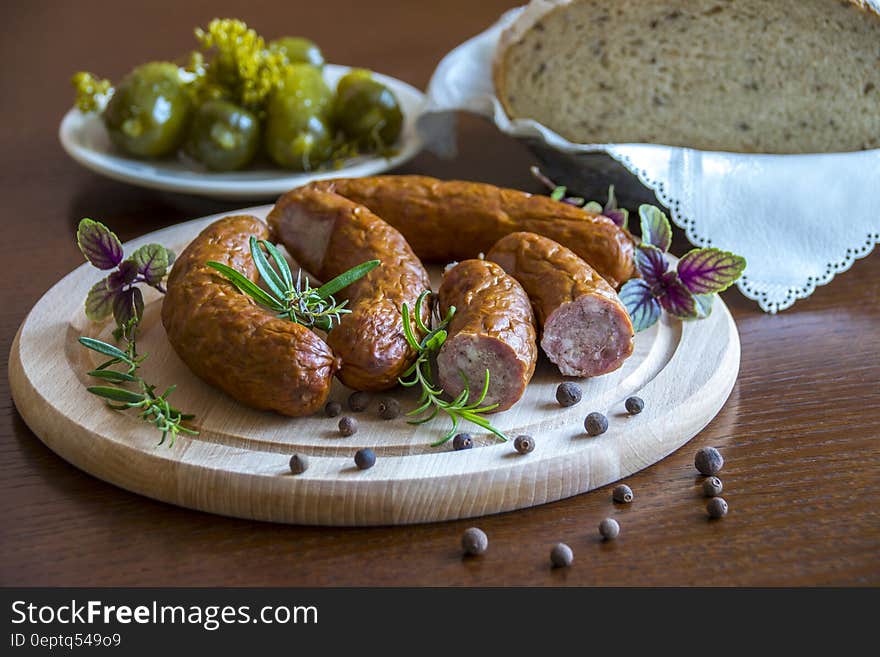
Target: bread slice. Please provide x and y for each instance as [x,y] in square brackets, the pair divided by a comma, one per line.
[754,76]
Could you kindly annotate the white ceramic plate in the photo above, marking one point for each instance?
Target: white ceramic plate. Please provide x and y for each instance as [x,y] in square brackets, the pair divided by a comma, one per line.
[84,138]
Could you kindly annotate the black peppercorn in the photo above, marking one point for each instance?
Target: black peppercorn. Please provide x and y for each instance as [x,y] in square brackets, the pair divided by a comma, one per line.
[568,393]
[389,408]
[609,529]
[596,424]
[298,464]
[622,494]
[634,405]
[524,444]
[561,556]
[717,507]
[332,409]
[712,487]
[708,461]
[348,426]
[462,441]
[359,401]
[365,458]
[474,541]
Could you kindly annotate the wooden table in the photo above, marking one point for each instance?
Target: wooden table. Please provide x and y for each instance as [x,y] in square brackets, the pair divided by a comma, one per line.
[799,433]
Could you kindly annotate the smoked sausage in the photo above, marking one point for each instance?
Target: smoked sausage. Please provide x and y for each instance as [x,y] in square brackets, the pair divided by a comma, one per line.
[455,220]
[231,342]
[329,234]
[492,328]
[586,330]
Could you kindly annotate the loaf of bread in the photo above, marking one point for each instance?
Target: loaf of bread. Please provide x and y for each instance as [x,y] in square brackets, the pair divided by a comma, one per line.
[753,76]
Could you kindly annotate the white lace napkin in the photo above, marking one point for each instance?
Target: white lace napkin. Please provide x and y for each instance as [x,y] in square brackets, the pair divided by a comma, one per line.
[797,219]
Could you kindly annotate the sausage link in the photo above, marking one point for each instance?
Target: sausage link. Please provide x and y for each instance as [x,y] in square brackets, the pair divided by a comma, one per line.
[492,329]
[329,234]
[231,342]
[586,330]
[455,220]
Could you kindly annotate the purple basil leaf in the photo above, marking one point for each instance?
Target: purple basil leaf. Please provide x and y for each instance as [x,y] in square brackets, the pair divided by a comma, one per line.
[650,263]
[98,244]
[640,303]
[705,271]
[620,217]
[99,301]
[127,305]
[126,273]
[655,227]
[151,261]
[675,298]
[704,305]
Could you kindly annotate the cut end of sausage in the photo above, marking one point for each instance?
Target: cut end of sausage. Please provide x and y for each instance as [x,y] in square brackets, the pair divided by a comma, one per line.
[472,355]
[588,337]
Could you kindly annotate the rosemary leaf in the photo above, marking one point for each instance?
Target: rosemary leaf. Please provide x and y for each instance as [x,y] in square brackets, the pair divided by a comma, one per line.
[247,286]
[117,394]
[346,278]
[267,273]
[104,348]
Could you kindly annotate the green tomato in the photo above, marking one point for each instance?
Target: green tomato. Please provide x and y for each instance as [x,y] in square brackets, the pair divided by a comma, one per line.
[367,112]
[149,111]
[223,136]
[298,50]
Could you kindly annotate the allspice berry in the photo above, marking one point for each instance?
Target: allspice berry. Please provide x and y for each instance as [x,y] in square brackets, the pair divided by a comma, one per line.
[712,487]
[524,444]
[474,541]
[332,409]
[596,424]
[609,529]
[568,393]
[622,494]
[561,556]
[298,464]
[348,426]
[634,405]
[359,401]
[717,507]
[708,461]
[389,408]
[462,441]
[365,458]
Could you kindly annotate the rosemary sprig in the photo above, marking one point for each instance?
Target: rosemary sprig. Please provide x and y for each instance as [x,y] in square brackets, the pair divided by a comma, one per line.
[419,373]
[154,408]
[293,299]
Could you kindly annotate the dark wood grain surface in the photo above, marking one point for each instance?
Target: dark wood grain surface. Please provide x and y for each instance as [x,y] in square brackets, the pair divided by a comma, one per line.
[800,433]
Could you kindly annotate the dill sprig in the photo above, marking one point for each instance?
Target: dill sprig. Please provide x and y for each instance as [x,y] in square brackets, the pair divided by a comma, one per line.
[419,373]
[293,299]
[154,408]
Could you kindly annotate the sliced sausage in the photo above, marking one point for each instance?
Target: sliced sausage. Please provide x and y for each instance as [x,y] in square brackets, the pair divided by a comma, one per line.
[329,234]
[586,330]
[454,220]
[231,342]
[492,329]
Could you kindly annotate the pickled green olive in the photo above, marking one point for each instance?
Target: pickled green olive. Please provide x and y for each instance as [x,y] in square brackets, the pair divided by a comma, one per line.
[223,136]
[298,50]
[149,111]
[368,113]
[351,78]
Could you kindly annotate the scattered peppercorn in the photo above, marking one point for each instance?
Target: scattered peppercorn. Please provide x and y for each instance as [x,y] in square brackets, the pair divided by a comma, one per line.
[561,556]
[359,401]
[365,458]
[708,461]
[634,405]
[523,444]
[717,507]
[622,494]
[298,464]
[474,541]
[568,393]
[332,409]
[712,487]
[609,529]
[348,426]
[596,424]
[462,441]
[389,408]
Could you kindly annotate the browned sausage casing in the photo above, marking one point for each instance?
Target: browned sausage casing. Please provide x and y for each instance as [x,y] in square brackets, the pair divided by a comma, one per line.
[455,220]
[234,344]
[329,234]
[586,330]
[493,328]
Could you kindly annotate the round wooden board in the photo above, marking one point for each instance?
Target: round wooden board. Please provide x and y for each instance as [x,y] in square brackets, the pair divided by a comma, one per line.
[238,464]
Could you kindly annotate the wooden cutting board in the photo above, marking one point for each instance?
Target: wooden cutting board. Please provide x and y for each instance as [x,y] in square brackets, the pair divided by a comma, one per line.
[238,464]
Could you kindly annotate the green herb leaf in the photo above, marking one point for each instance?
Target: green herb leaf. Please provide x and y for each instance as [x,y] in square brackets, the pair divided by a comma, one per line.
[558,193]
[151,261]
[113,376]
[247,286]
[116,394]
[656,229]
[99,301]
[98,244]
[104,348]
[281,263]
[270,276]
[346,278]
